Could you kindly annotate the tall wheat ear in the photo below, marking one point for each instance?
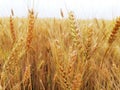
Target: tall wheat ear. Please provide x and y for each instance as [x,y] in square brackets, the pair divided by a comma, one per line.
[89,43]
[27,76]
[12,26]
[75,34]
[114,31]
[31,21]
[61,72]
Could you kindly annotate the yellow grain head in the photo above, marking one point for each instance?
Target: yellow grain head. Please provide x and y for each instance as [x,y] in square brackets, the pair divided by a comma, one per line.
[114,31]
[31,20]
[12,26]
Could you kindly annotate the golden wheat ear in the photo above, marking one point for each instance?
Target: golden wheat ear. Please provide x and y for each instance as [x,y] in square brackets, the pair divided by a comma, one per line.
[114,31]
[74,30]
[27,75]
[89,43]
[31,19]
[12,26]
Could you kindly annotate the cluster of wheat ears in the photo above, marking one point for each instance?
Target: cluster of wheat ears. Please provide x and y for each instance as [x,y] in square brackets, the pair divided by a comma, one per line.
[59,54]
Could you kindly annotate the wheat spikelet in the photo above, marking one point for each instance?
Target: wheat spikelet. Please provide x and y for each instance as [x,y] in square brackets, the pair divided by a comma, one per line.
[74,29]
[31,19]
[89,43]
[76,35]
[12,27]
[63,78]
[59,52]
[114,31]
[26,75]
[61,72]
[71,63]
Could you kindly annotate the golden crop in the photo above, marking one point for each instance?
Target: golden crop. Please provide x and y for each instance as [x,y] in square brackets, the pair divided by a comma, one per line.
[59,54]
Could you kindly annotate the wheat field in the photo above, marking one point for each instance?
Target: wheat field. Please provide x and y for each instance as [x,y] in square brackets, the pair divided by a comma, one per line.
[59,54]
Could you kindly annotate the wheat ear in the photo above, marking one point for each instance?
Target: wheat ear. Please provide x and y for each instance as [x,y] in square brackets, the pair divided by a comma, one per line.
[74,30]
[31,19]
[114,31]
[12,26]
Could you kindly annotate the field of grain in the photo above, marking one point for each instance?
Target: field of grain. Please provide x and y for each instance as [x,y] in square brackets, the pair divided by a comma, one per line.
[59,54]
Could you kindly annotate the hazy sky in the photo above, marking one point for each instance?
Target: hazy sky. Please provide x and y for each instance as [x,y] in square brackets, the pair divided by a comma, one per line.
[51,8]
